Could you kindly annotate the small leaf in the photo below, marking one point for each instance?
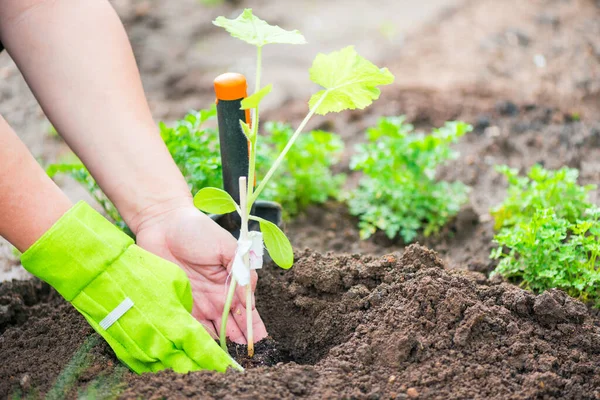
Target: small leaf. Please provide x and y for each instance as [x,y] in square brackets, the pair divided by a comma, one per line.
[214,201]
[278,245]
[350,81]
[254,100]
[247,131]
[257,32]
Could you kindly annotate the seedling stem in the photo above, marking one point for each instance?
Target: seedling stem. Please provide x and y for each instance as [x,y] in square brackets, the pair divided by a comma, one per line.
[226,309]
[246,258]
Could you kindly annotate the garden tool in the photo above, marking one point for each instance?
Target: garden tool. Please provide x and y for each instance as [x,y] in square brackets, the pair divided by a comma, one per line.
[231,89]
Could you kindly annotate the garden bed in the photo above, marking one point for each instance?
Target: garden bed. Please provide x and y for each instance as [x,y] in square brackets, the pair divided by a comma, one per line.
[344,326]
[375,319]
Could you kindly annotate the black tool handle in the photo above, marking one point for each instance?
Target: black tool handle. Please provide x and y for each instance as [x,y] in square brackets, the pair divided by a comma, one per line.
[234,145]
[230,90]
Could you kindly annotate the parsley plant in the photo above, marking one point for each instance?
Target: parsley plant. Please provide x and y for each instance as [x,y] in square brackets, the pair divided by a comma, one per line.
[548,251]
[540,189]
[305,176]
[399,192]
[549,233]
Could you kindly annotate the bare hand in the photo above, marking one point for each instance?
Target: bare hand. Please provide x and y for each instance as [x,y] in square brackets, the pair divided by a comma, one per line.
[205,251]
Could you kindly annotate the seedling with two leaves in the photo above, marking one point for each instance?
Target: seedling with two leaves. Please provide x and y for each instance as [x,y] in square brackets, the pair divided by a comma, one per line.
[349,82]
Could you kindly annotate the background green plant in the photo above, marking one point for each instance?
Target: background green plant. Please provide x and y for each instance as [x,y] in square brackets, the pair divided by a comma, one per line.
[540,189]
[195,148]
[548,251]
[304,178]
[399,192]
[548,233]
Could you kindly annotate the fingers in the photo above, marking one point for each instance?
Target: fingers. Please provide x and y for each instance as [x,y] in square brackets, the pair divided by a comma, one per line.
[235,332]
[260,330]
[240,293]
[258,327]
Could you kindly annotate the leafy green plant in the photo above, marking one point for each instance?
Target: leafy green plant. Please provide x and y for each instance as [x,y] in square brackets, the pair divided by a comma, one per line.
[349,82]
[399,192]
[549,251]
[548,232]
[541,189]
[305,176]
[195,148]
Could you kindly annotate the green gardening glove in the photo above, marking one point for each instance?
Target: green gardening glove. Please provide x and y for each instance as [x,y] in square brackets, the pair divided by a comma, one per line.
[138,302]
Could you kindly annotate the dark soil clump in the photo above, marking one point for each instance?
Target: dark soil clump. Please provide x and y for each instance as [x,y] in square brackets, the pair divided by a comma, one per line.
[347,327]
[18,300]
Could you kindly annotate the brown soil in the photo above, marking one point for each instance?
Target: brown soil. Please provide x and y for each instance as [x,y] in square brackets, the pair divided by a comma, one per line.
[384,320]
[353,327]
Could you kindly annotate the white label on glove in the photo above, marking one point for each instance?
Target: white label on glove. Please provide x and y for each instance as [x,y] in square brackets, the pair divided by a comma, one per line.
[117,313]
[255,249]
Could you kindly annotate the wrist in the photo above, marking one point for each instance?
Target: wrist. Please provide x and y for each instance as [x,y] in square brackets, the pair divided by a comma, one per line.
[158,212]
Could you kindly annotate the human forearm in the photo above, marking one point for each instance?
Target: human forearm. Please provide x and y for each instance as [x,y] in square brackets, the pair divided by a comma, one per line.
[30,202]
[77,59]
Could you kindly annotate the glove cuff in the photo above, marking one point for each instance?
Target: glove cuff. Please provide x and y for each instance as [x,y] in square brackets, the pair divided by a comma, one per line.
[75,250]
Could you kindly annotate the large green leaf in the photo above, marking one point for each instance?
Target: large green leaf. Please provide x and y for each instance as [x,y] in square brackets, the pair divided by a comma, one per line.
[350,81]
[254,100]
[278,245]
[214,201]
[254,30]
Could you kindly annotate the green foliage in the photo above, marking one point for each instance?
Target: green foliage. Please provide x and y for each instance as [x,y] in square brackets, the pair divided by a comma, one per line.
[549,251]
[305,176]
[257,32]
[548,233]
[541,189]
[399,193]
[195,149]
[350,81]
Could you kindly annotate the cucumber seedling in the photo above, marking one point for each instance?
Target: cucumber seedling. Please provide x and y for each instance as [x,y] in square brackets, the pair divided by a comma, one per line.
[349,82]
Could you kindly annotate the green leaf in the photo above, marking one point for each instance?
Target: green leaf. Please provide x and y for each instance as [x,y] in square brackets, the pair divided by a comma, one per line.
[350,81]
[399,192]
[257,32]
[278,245]
[254,100]
[248,132]
[214,201]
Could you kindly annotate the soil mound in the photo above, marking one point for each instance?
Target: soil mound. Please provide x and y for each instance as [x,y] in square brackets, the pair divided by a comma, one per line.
[407,328]
[344,326]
